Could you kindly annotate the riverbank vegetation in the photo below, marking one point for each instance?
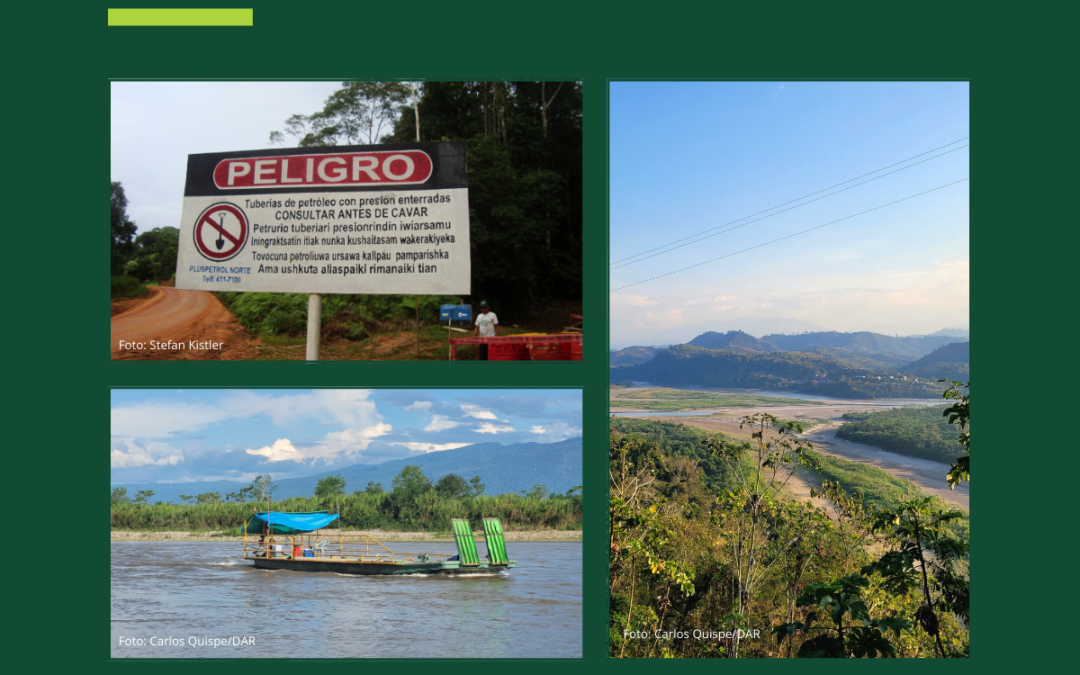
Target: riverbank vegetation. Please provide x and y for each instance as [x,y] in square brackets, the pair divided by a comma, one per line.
[703,539]
[413,504]
[914,431]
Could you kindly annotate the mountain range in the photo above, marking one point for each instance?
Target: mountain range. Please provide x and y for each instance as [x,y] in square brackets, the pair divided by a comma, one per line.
[502,468]
[862,365]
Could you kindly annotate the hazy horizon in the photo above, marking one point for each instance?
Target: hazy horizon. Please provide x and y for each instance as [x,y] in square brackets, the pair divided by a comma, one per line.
[617,344]
[738,160]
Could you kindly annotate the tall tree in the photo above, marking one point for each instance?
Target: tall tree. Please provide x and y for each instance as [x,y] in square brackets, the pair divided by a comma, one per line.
[924,558]
[476,486]
[774,453]
[263,487]
[411,482]
[330,486]
[143,496]
[123,229]
[359,112]
[452,485]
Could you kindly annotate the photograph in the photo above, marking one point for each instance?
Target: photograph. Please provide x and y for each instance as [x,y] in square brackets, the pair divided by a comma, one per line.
[346,523]
[789,369]
[356,220]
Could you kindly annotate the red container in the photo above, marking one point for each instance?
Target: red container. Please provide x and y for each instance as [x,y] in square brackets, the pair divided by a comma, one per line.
[575,351]
[544,351]
[507,352]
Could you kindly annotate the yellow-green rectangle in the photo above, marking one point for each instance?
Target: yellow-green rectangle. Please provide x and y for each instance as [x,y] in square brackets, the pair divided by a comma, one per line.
[181,17]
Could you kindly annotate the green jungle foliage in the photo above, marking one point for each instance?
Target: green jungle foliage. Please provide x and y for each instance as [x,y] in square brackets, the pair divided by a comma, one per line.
[524,144]
[415,504]
[703,544]
[149,257]
[798,371]
[914,431]
[127,287]
[353,317]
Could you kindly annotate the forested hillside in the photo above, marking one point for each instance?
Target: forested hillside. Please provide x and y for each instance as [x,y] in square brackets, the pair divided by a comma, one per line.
[709,558]
[631,356]
[914,431]
[952,362]
[857,365]
[821,374]
[733,339]
[910,347]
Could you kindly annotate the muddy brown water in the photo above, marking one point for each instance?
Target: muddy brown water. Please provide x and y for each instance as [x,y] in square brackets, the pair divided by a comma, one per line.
[173,599]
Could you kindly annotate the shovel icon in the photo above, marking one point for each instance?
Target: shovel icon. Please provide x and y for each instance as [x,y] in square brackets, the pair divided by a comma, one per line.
[220,237]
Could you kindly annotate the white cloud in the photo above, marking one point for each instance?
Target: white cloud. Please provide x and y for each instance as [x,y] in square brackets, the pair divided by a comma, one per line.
[555,432]
[160,419]
[476,411]
[489,428]
[419,405]
[441,423]
[281,451]
[128,453]
[349,443]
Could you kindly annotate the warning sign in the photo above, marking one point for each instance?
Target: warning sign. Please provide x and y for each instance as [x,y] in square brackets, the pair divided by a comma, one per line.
[221,232]
[390,219]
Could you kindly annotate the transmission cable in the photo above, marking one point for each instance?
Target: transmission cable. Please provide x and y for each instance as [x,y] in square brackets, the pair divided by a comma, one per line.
[643,255]
[816,227]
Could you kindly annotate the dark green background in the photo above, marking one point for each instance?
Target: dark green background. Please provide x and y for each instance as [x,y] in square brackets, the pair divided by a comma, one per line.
[60,59]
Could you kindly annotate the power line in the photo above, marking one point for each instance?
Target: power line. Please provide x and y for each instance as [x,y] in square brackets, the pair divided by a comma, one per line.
[643,255]
[817,227]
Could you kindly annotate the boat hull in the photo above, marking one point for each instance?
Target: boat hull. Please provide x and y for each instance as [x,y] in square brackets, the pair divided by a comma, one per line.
[447,567]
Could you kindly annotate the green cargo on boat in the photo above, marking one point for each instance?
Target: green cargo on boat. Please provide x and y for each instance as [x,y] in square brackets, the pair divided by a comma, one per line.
[291,541]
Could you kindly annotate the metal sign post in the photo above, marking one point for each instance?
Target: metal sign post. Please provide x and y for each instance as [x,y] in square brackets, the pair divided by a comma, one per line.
[314,326]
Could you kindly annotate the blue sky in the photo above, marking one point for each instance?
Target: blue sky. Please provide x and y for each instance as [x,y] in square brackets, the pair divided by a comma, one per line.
[216,434]
[686,157]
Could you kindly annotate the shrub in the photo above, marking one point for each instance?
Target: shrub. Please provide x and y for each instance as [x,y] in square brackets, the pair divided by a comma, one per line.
[127,287]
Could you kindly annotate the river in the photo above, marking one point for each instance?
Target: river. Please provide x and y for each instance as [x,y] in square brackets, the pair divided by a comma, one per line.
[928,475]
[172,594]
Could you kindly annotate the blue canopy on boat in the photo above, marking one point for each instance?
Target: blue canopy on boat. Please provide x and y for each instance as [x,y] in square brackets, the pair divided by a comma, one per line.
[280,522]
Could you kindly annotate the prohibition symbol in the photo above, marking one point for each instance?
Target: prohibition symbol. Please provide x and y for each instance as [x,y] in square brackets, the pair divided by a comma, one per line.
[221,232]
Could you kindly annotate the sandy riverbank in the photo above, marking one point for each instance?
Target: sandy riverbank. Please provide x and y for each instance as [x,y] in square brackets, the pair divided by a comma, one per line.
[927,475]
[381,535]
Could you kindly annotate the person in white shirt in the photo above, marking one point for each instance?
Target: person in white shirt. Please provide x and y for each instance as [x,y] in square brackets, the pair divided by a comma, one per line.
[487,325]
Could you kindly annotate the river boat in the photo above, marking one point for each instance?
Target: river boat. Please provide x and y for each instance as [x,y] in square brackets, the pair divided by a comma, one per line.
[292,541]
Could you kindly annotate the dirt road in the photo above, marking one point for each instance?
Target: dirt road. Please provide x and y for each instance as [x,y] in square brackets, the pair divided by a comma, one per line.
[175,324]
